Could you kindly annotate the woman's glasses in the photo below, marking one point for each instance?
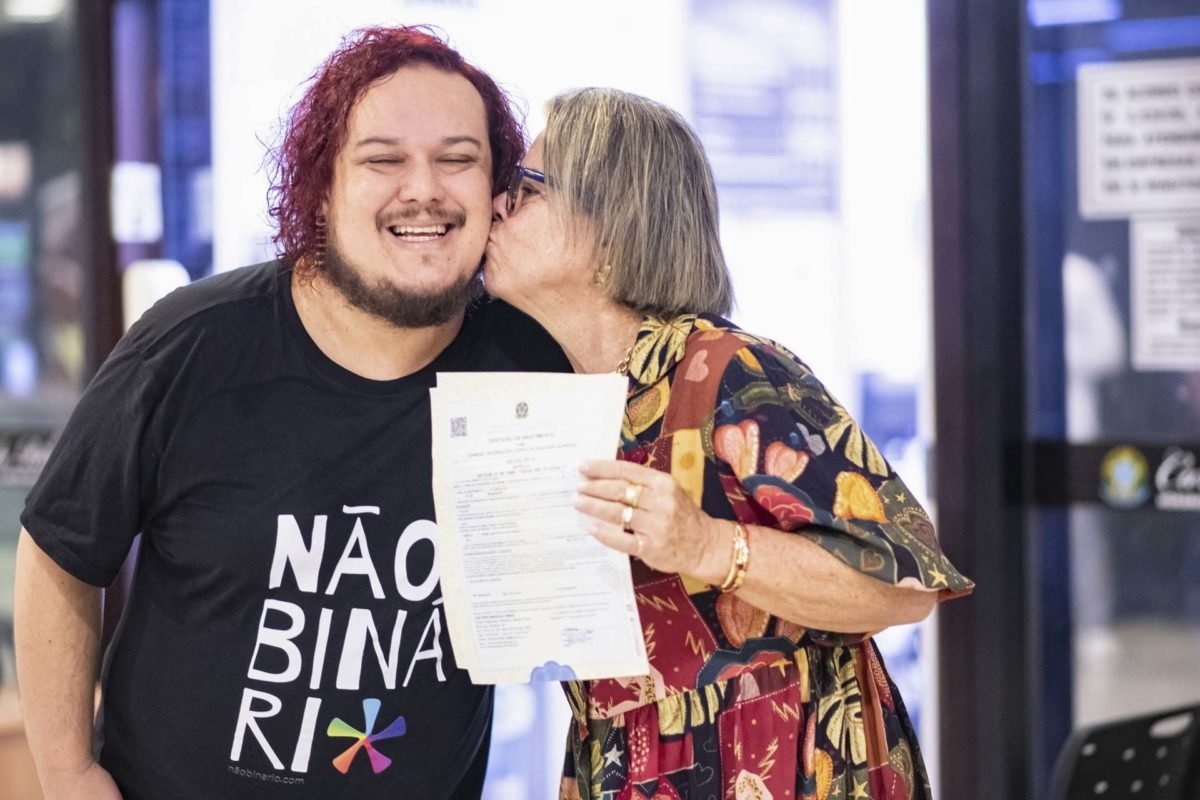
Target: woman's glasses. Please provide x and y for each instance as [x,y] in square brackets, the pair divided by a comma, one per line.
[517,189]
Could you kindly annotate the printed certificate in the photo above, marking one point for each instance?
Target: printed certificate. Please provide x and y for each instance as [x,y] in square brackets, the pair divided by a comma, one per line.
[529,594]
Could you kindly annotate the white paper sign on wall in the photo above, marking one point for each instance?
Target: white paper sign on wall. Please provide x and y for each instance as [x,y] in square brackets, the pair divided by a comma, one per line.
[1139,137]
[137,212]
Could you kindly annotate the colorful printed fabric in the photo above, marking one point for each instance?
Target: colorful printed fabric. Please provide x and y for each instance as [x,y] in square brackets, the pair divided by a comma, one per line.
[738,703]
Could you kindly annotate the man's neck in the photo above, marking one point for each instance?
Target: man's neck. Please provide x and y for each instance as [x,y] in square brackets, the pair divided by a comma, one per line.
[361,342]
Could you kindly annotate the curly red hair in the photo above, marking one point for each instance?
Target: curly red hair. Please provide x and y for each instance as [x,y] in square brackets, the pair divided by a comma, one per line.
[301,167]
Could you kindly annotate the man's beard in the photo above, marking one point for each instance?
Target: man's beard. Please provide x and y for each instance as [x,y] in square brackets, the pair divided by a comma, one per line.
[398,307]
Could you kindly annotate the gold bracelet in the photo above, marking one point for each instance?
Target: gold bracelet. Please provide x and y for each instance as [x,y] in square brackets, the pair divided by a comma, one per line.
[741,560]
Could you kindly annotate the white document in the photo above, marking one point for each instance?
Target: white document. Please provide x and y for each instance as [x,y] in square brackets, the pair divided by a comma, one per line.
[529,594]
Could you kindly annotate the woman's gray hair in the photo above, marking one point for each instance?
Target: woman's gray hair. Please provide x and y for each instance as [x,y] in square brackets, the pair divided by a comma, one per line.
[638,173]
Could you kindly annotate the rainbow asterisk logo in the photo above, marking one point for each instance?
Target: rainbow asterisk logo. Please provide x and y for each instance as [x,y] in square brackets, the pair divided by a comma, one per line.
[379,762]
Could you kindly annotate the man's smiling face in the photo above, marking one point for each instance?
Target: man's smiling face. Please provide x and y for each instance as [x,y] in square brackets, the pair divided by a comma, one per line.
[410,206]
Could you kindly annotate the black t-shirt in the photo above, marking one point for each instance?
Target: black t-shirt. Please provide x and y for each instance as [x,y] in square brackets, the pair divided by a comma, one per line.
[285,637]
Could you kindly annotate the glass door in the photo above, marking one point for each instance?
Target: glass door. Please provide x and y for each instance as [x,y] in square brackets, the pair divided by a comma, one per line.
[55,286]
[1112,102]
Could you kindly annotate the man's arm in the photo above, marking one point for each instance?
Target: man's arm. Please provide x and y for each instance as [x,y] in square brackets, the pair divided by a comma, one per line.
[57,632]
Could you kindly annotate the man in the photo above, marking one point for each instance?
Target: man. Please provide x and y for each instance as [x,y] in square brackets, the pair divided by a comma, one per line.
[267,431]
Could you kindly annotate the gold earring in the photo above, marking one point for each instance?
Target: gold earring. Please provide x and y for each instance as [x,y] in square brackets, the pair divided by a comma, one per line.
[319,257]
[600,276]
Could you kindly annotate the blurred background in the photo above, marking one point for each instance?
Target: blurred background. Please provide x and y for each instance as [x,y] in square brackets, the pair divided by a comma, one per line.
[979,224]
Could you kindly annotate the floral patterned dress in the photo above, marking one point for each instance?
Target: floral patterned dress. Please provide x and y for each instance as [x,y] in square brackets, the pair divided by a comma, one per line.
[740,704]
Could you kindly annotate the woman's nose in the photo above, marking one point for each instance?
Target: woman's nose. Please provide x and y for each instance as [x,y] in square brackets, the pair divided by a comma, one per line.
[500,207]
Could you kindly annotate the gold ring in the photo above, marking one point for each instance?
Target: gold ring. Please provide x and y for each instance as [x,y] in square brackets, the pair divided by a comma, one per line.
[632,492]
[627,518]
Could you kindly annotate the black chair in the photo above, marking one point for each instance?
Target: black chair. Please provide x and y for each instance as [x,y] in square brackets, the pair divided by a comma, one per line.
[1152,757]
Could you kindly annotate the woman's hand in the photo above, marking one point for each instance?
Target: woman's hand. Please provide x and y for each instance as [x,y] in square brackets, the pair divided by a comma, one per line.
[645,513]
[788,576]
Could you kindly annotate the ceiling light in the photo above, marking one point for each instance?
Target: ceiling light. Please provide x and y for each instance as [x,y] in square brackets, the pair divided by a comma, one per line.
[33,10]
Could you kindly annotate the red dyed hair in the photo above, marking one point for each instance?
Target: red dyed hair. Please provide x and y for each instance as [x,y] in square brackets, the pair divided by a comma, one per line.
[301,167]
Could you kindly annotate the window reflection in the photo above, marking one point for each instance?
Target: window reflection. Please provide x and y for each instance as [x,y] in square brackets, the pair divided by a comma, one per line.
[42,290]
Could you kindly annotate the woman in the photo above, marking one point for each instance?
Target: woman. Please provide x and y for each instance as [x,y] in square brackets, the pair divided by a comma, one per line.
[768,534]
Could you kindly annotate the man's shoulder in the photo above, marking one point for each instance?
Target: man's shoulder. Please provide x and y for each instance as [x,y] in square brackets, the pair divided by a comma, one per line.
[515,338]
[236,285]
[500,317]
[207,301]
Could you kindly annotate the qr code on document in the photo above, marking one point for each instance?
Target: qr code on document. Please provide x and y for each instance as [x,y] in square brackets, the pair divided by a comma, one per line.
[458,427]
